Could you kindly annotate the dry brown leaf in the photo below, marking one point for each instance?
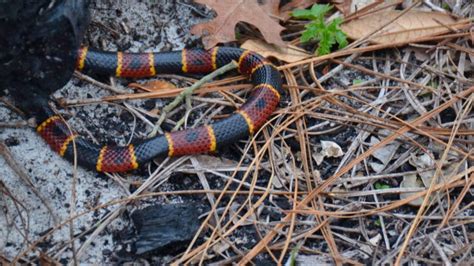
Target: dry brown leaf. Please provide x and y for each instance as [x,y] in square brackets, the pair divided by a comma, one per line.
[288,54]
[412,25]
[273,6]
[365,5]
[230,12]
[411,181]
[154,85]
[424,165]
[344,6]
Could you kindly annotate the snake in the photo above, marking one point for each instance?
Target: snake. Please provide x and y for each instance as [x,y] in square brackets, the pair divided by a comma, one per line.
[245,121]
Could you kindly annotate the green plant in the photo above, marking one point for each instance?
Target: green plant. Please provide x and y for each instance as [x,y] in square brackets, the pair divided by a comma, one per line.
[294,254]
[327,34]
[381,186]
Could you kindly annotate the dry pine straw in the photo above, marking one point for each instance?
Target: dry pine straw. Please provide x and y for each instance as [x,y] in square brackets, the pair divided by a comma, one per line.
[367,112]
[335,203]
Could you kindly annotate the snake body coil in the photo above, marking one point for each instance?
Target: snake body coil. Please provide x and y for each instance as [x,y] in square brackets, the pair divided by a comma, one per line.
[208,138]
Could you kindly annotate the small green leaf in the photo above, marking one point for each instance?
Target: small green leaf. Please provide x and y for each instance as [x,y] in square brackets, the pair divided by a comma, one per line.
[381,186]
[378,222]
[319,11]
[309,33]
[326,41]
[357,81]
[334,24]
[341,39]
[302,14]
[446,6]
[306,36]
[294,254]
[237,35]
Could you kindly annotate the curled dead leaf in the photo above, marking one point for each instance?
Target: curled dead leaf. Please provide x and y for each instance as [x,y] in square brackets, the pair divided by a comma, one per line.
[384,155]
[412,25]
[421,162]
[411,181]
[328,149]
[331,149]
[288,54]
[229,12]
[424,165]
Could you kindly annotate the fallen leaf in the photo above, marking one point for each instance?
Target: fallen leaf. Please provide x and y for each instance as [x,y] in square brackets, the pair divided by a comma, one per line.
[328,149]
[450,171]
[411,181]
[220,247]
[424,165]
[426,177]
[375,240]
[288,54]
[318,157]
[230,12]
[331,149]
[369,249]
[154,85]
[344,6]
[273,6]
[421,162]
[411,26]
[377,167]
[384,154]
[364,5]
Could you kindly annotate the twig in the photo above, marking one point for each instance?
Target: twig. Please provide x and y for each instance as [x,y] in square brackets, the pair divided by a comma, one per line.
[440,251]
[81,76]
[212,87]
[369,48]
[11,106]
[14,124]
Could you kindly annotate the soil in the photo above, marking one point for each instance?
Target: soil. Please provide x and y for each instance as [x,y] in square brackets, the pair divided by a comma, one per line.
[115,25]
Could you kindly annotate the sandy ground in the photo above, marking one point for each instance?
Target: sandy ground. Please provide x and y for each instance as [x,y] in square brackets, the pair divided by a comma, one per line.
[125,25]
